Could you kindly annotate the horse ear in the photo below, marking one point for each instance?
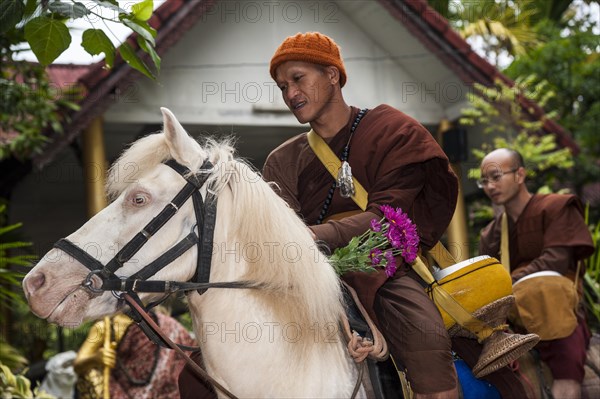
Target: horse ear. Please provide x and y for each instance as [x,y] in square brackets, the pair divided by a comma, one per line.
[183,148]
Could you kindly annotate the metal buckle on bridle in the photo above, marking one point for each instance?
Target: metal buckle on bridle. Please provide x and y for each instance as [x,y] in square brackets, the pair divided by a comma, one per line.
[87,283]
[123,288]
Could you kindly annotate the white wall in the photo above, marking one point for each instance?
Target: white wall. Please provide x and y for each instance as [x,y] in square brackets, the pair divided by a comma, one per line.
[218,73]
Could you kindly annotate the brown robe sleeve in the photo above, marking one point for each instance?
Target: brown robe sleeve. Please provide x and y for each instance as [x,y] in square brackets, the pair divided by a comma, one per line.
[489,240]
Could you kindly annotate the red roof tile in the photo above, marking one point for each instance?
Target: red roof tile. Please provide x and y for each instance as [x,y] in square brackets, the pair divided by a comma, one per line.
[66,75]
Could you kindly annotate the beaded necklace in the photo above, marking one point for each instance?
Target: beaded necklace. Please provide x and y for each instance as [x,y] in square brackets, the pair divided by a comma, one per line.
[343,158]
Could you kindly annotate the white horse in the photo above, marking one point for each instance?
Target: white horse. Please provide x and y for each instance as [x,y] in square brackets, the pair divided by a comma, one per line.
[279,340]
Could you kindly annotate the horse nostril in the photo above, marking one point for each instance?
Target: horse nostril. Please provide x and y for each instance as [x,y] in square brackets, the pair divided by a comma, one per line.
[34,282]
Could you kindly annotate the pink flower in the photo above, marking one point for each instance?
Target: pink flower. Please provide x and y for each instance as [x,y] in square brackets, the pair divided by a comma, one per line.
[392,236]
[375,256]
[375,225]
[390,267]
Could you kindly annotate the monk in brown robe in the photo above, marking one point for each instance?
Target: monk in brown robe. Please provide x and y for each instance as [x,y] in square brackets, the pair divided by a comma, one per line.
[398,163]
[546,232]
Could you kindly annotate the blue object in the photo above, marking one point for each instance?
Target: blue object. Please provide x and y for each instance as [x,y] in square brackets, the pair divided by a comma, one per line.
[473,388]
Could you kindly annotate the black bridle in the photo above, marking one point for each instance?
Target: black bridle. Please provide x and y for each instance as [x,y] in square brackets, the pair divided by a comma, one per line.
[126,289]
[206,214]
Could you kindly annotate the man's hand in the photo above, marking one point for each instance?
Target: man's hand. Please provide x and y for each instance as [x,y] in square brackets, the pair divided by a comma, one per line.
[359,347]
[109,355]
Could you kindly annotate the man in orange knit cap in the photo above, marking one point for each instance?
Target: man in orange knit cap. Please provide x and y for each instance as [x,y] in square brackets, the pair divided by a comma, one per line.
[399,163]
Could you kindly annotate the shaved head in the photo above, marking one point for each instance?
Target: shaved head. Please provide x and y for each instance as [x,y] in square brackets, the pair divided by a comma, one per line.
[516,159]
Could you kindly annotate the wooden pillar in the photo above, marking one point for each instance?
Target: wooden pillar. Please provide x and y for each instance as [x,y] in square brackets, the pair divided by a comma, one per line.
[458,237]
[94,167]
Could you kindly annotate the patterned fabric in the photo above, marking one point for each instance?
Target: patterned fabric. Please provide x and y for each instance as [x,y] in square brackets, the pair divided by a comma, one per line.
[145,370]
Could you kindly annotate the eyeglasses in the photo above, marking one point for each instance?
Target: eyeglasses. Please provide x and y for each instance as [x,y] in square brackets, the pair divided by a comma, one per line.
[495,178]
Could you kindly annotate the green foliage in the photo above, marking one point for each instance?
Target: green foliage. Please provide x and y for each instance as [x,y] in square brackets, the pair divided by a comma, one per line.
[10,287]
[47,34]
[48,38]
[498,111]
[95,42]
[11,356]
[29,105]
[505,27]
[592,277]
[8,277]
[18,386]
[569,64]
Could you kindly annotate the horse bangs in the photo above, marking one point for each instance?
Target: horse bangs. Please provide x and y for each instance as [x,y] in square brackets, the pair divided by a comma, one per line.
[221,155]
[152,150]
[142,155]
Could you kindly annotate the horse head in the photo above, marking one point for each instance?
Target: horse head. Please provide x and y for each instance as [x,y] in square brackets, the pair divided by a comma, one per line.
[142,185]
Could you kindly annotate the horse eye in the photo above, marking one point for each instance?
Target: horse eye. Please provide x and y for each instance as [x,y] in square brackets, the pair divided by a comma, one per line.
[139,199]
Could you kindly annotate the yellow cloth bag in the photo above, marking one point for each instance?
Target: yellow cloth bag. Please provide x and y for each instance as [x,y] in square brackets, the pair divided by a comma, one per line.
[546,304]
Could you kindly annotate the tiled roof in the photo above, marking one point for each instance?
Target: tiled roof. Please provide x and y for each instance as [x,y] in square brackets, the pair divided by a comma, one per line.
[66,75]
[175,17]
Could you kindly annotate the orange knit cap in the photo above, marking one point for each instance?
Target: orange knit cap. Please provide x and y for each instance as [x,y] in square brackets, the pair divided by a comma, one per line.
[310,47]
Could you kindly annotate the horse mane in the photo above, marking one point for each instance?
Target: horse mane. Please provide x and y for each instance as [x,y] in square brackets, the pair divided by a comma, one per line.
[299,280]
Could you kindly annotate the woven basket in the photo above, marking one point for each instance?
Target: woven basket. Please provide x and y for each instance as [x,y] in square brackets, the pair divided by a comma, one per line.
[501,348]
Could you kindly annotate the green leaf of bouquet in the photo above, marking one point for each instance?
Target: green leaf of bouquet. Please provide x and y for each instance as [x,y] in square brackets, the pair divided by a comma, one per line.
[11,12]
[95,41]
[134,61]
[143,10]
[48,38]
[136,27]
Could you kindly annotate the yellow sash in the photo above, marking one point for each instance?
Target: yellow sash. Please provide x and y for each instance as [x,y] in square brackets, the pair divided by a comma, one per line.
[333,165]
[504,252]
